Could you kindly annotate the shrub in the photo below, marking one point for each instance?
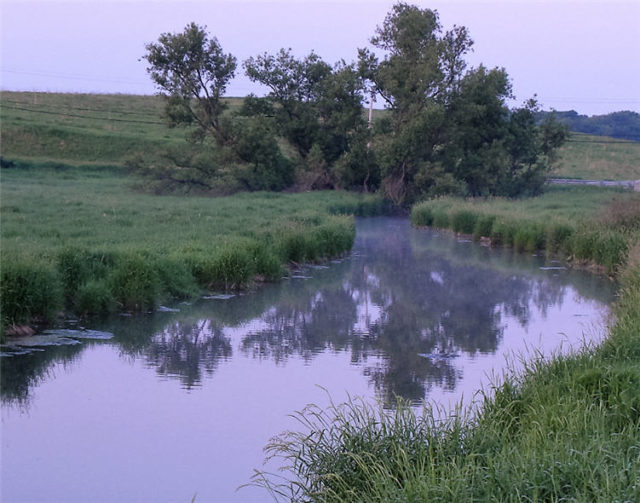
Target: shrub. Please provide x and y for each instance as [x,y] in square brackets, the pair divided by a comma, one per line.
[482,227]
[134,281]
[94,297]
[30,289]
[463,221]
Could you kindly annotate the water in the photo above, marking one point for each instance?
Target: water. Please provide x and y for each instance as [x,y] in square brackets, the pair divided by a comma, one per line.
[179,403]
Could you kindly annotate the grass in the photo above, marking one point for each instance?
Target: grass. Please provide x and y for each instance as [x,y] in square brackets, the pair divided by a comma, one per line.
[85,237]
[563,429]
[598,158]
[582,223]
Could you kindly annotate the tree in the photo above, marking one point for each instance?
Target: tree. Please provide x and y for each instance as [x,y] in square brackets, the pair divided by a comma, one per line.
[449,129]
[318,109]
[192,71]
[417,77]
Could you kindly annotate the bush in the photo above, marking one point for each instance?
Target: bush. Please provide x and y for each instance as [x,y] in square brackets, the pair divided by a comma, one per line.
[134,282]
[30,290]
[482,227]
[463,221]
[94,297]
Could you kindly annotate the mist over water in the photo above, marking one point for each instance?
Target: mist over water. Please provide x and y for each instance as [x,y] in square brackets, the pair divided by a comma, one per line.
[182,402]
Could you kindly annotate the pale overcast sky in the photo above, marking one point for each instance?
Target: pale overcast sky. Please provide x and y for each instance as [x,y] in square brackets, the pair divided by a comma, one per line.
[580,55]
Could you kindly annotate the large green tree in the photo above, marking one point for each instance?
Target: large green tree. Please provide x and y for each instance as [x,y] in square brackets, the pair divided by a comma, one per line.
[192,71]
[318,108]
[449,127]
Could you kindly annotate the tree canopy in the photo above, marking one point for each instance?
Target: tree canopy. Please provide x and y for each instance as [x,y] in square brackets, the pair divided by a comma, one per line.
[447,128]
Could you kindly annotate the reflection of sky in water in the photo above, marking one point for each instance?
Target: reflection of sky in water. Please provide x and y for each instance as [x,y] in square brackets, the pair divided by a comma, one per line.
[183,402]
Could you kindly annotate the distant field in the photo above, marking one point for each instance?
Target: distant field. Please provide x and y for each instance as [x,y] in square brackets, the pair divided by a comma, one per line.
[84,128]
[107,129]
[599,158]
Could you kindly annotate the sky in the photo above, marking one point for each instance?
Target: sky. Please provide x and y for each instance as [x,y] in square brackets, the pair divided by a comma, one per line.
[580,55]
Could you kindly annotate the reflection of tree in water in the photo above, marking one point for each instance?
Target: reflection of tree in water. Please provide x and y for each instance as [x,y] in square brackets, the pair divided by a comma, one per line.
[18,374]
[413,307]
[188,349]
[304,326]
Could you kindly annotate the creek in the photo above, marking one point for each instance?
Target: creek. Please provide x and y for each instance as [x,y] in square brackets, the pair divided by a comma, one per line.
[180,402]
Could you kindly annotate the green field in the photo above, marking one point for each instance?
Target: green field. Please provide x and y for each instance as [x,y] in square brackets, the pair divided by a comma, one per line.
[83,239]
[108,129]
[598,158]
[85,128]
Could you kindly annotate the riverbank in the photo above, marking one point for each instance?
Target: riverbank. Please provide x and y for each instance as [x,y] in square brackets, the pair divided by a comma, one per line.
[580,224]
[564,429]
[82,240]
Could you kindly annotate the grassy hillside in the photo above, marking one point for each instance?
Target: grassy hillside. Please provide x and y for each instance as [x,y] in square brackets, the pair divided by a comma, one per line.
[84,128]
[107,129]
[598,158]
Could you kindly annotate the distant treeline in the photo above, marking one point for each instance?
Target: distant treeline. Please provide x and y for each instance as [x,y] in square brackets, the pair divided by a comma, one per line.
[624,125]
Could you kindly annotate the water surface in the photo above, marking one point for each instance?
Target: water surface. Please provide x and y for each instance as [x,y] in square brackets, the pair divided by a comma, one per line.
[181,402]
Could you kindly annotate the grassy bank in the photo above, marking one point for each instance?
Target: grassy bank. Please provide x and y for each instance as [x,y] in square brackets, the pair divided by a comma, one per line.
[563,429]
[81,239]
[580,223]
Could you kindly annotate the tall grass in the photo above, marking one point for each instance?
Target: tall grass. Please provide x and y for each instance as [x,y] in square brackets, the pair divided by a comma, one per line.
[82,239]
[564,429]
[584,224]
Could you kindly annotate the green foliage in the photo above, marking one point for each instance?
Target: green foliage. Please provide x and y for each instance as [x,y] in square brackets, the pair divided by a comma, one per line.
[318,109]
[94,297]
[134,282]
[463,221]
[263,167]
[483,226]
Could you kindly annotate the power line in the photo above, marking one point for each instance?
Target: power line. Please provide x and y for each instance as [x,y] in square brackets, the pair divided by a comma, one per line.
[122,112]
